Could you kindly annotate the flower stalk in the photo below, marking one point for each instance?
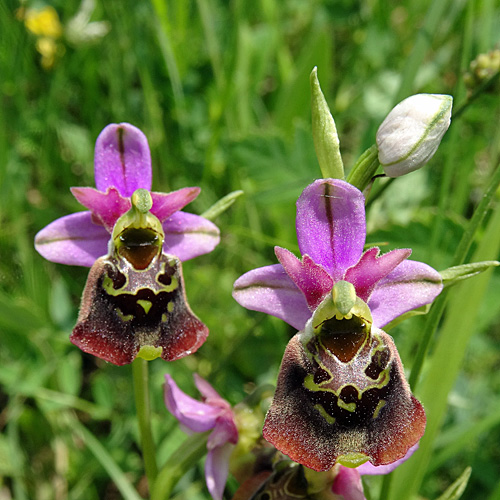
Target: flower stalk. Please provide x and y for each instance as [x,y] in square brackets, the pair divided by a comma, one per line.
[143,407]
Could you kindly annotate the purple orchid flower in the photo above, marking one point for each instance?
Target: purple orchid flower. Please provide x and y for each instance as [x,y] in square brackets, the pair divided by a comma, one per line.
[213,413]
[134,301]
[331,232]
[122,165]
[341,395]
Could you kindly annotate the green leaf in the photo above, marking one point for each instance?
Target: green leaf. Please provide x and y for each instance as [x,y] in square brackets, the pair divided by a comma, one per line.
[455,490]
[326,139]
[185,457]
[222,205]
[458,273]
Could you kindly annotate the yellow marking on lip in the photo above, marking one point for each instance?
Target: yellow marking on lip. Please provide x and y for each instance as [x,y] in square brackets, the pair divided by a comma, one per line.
[351,407]
[164,318]
[124,317]
[380,405]
[170,307]
[145,304]
[324,414]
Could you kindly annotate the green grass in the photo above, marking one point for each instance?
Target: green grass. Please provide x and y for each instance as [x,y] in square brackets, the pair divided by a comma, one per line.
[221,90]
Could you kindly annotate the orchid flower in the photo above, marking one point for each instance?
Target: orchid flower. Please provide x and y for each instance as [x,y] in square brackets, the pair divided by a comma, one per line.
[134,301]
[212,413]
[341,395]
[122,165]
[331,232]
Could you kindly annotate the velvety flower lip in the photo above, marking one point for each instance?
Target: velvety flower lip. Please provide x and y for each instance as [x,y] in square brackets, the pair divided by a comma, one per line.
[331,232]
[212,413]
[122,164]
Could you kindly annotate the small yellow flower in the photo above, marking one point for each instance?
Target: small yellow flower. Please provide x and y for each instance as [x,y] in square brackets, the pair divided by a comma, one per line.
[43,22]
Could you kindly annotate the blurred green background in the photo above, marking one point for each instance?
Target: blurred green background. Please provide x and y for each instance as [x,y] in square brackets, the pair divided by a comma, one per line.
[221,89]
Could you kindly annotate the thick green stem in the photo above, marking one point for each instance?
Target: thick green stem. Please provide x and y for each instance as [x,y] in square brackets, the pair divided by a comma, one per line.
[362,172]
[142,403]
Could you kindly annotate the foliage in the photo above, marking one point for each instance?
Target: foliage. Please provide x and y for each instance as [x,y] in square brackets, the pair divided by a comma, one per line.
[221,89]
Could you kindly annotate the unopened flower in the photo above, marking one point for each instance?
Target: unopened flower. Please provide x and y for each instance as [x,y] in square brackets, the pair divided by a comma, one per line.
[134,298]
[331,232]
[411,133]
[212,413]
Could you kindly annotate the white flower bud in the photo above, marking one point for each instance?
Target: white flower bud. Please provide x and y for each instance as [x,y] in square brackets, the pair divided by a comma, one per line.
[412,132]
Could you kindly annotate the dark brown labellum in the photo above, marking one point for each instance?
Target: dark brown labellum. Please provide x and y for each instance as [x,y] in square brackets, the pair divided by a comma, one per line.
[137,299]
[341,395]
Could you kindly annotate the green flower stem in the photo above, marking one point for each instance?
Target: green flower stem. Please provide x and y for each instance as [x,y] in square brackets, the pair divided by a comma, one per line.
[142,403]
[361,174]
[183,459]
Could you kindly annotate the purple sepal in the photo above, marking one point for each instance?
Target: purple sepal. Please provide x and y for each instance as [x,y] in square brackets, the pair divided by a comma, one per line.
[188,235]
[122,159]
[412,284]
[73,240]
[270,290]
[331,225]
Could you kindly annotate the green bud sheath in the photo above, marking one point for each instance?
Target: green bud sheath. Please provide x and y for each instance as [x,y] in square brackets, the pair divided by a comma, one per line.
[326,139]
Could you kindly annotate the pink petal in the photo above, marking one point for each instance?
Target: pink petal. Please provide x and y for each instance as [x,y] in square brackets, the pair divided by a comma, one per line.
[312,280]
[348,484]
[122,159]
[196,416]
[371,268]
[412,284]
[105,207]
[367,469]
[207,391]
[189,235]
[165,204]
[73,240]
[331,225]
[217,469]
[225,431]
[270,290]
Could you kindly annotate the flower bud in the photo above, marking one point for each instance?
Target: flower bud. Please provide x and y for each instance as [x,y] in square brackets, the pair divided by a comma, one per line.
[412,132]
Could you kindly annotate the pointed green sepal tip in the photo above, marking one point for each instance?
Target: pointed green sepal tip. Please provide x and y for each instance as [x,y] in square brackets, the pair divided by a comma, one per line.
[149,352]
[326,139]
[352,460]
